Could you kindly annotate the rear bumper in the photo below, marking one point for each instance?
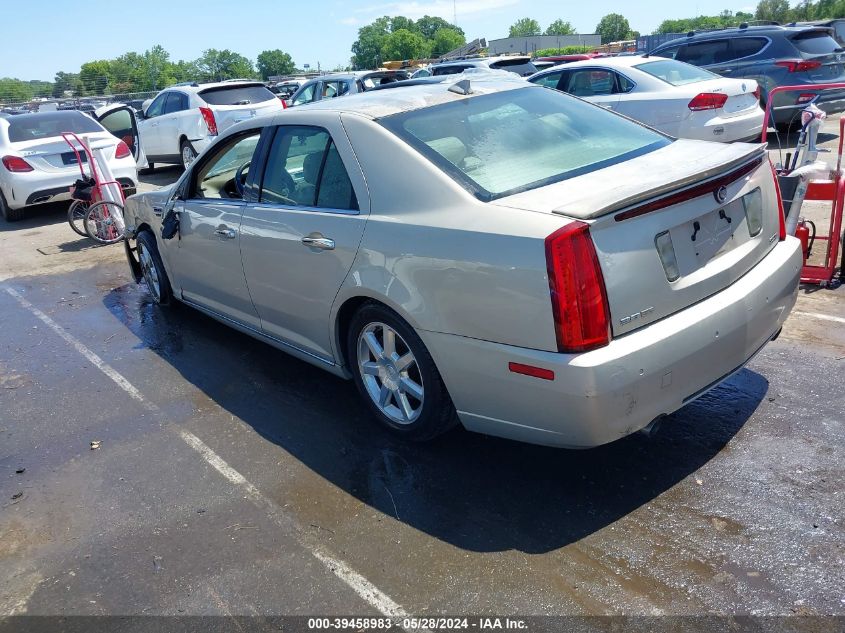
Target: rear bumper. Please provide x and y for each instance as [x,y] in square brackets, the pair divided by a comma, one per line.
[39,187]
[611,392]
[704,127]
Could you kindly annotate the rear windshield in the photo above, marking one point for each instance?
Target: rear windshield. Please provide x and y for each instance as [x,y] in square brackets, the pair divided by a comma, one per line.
[449,70]
[236,95]
[815,43]
[521,67]
[499,144]
[28,127]
[675,73]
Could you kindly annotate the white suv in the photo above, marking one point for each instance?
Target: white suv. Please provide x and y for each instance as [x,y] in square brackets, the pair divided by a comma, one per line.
[184,119]
[519,64]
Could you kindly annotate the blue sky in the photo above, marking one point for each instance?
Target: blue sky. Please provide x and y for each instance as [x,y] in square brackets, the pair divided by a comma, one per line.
[317,31]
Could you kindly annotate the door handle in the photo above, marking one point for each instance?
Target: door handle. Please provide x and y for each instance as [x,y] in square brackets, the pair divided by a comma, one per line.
[323,243]
[226,233]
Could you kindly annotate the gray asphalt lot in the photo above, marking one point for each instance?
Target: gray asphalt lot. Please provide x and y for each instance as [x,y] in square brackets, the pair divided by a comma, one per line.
[235,480]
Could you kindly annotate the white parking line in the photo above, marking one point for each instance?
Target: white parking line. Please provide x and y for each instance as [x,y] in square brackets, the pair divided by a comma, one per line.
[95,360]
[822,317]
[371,594]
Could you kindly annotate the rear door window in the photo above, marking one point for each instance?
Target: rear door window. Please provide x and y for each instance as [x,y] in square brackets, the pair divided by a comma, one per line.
[815,43]
[332,89]
[705,53]
[747,46]
[236,95]
[591,82]
[175,103]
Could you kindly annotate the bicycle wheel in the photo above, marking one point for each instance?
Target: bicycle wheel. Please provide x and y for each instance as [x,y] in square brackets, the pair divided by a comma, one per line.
[104,222]
[76,216]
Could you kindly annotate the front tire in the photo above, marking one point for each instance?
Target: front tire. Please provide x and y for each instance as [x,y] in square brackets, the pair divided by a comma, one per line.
[152,268]
[396,376]
[10,215]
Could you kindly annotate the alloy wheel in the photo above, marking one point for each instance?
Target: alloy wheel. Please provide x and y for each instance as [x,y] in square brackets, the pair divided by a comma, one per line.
[150,272]
[390,373]
[188,154]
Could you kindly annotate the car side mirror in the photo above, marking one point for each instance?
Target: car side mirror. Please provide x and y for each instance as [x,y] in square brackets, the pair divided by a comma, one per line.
[139,114]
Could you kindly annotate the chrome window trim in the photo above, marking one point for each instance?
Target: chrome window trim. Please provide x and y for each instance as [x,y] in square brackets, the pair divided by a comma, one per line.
[304,208]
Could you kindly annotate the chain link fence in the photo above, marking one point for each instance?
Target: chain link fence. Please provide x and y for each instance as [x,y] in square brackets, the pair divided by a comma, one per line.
[10,104]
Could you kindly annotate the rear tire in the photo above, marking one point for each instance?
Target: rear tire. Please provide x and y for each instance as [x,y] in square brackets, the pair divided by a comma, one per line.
[187,153]
[10,215]
[396,376]
[152,268]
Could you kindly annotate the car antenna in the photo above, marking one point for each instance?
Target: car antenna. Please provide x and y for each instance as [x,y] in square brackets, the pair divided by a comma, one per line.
[462,87]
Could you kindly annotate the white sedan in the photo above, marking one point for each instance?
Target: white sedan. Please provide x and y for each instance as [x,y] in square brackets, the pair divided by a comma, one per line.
[37,165]
[678,99]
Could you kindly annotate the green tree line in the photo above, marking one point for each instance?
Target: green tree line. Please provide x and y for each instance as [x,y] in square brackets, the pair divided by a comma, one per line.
[148,71]
[769,10]
[399,38]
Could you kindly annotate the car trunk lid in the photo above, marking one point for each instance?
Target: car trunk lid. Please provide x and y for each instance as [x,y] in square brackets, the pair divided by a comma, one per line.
[54,154]
[670,232]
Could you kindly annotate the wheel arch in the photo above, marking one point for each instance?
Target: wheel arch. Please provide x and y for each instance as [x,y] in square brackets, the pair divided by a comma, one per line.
[347,307]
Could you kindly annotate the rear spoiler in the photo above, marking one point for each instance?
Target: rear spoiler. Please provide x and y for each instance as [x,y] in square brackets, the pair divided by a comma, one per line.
[648,193]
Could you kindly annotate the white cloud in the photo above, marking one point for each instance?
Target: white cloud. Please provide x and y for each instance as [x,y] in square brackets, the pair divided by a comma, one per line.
[351,21]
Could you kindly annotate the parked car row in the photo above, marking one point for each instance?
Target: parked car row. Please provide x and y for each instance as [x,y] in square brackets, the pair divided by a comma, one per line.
[676,98]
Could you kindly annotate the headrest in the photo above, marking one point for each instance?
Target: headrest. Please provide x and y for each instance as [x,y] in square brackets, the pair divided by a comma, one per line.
[451,148]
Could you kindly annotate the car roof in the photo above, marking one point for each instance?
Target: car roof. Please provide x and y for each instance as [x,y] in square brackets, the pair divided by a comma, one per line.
[607,62]
[375,104]
[768,29]
[200,87]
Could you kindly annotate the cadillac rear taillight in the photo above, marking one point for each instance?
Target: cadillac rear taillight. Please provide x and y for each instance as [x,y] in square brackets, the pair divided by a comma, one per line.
[798,65]
[579,299]
[708,101]
[781,218]
[757,92]
[16,164]
[122,150]
[210,122]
